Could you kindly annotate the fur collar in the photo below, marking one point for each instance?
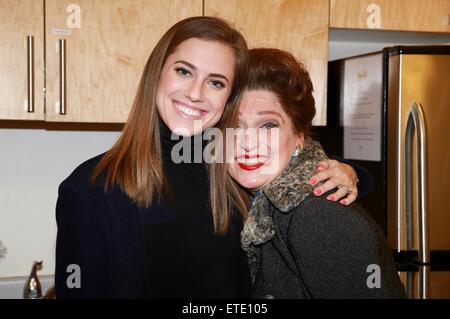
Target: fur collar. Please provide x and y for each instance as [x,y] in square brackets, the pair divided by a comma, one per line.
[286,192]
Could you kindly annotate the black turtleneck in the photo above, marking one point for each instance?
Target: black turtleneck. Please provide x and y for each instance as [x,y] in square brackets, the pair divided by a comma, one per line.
[183,256]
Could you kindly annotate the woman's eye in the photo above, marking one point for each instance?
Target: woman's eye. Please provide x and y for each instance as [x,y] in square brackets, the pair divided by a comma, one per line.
[269,125]
[217,84]
[238,130]
[182,71]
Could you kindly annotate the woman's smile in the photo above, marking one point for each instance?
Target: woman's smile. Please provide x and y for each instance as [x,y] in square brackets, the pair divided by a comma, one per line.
[187,111]
[250,163]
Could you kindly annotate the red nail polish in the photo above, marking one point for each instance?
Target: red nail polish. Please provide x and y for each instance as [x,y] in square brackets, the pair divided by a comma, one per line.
[344,202]
[331,197]
[317,191]
[312,181]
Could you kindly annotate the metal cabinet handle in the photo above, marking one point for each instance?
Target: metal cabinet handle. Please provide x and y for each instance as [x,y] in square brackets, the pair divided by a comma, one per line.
[30,74]
[62,76]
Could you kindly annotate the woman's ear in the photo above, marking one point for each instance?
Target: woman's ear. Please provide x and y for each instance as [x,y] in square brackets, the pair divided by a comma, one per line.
[300,140]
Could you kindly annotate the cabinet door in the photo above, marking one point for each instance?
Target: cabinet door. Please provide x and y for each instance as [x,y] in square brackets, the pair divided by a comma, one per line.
[300,27]
[22,60]
[93,75]
[399,15]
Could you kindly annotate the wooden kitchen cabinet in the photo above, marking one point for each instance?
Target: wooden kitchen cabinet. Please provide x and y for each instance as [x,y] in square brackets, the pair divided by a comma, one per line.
[398,15]
[300,27]
[96,51]
[22,59]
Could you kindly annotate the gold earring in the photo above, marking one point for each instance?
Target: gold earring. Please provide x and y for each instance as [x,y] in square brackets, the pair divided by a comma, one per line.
[298,150]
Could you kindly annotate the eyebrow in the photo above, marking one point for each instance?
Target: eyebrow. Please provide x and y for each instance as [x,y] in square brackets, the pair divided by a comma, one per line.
[216,75]
[268,113]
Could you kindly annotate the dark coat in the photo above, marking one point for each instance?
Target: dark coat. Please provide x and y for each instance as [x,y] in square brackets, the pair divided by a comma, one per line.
[101,234]
[124,251]
[302,246]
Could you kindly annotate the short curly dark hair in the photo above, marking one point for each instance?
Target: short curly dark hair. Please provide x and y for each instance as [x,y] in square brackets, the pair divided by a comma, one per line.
[281,73]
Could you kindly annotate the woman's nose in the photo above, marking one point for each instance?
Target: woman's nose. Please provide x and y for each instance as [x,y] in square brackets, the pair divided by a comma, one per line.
[248,140]
[195,91]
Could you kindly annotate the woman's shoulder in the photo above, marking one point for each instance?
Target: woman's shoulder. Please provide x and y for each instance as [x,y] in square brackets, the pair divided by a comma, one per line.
[332,230]
[321,213]
[336,244]
[80,177]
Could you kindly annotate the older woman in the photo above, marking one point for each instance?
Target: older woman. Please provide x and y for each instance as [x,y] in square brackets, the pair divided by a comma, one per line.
[298,245]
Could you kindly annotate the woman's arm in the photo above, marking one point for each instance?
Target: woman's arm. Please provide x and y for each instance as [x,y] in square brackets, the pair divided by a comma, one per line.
[82,263]
[338,252]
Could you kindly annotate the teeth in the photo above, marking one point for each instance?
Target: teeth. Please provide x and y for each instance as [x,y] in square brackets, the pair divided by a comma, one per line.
[187,110]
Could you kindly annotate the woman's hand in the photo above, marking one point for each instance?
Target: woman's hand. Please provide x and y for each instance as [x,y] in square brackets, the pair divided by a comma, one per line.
[338,175]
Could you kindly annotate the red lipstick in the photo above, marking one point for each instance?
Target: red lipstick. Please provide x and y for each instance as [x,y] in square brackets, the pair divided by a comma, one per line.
[250,167]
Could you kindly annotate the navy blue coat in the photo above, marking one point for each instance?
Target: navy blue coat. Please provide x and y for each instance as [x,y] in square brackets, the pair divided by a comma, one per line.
[164,251]
[101,234]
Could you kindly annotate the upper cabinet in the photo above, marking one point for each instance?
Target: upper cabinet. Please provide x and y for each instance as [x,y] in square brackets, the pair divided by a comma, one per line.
[96,52]
[300,27]
[398,15]
[22,59]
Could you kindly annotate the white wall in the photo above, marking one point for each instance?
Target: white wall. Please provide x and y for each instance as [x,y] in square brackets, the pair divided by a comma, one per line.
[33,162]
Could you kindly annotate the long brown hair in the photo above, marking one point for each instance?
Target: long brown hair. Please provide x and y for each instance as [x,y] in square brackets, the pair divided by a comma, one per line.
[281,73]
[134,162]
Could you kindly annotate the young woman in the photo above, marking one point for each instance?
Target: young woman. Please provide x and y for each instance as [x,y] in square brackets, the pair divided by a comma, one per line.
[298,245]
[135,222]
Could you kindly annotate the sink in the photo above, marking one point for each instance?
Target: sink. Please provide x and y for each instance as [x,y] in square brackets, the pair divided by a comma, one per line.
[12,288]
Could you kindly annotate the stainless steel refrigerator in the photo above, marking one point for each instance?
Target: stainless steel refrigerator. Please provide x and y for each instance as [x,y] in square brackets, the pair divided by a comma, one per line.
[389,112]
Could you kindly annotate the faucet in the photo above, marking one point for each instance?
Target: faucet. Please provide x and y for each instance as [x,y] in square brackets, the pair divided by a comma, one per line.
[32,289]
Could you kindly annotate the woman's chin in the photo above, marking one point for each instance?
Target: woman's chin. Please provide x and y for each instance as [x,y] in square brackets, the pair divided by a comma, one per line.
[183,129]
[252,185]
[252,180]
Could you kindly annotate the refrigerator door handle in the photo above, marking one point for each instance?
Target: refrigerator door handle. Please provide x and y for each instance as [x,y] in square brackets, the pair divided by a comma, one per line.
[416,123]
